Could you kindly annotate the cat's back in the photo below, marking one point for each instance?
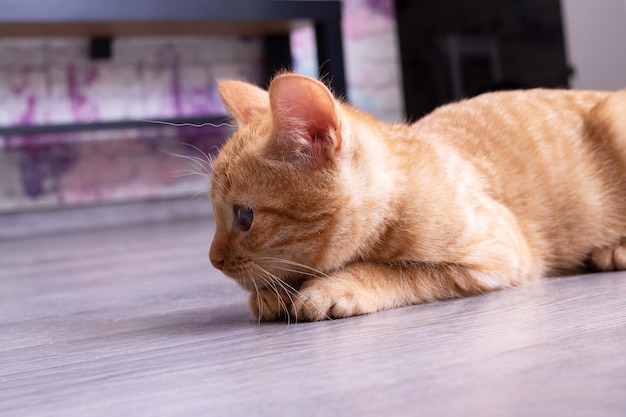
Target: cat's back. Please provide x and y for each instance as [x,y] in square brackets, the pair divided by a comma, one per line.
[517,136]
[509,117]
[522,134]
[547,155]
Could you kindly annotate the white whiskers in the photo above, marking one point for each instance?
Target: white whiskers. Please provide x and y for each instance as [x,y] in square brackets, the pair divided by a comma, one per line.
[199,166]
[162,122]
[313,272]
[273,282]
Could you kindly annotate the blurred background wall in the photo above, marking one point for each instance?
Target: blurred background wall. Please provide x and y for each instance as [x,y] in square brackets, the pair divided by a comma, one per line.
[51,80]
[595,34]
[403,58]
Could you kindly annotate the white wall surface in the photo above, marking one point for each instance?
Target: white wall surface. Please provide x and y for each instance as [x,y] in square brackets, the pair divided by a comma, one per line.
[595,39]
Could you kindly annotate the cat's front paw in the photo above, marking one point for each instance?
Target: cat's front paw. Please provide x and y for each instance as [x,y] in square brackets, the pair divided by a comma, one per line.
[269,304]
[330,298]
[610,258]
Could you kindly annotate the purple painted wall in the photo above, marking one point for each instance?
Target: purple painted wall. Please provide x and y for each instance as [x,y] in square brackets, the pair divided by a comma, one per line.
[51,81]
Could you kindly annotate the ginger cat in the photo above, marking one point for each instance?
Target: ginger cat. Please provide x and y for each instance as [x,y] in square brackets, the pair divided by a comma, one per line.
[323,211]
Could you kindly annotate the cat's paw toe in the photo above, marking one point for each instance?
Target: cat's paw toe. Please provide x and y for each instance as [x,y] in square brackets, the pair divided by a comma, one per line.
[322,300]
[610,258]
[619,257]
[346,306]
[312,304]
[268,305]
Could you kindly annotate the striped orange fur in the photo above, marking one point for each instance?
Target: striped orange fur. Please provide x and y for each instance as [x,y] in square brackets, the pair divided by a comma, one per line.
[323,211]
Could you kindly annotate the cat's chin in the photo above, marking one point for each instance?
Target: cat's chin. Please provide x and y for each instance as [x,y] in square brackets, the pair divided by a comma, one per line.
[248,284]
[256,286]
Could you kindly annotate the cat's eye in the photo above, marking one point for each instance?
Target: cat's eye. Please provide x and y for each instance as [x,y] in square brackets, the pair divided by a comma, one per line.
[245,217]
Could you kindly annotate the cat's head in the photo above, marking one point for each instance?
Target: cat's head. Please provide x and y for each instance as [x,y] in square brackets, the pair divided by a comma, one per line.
[278,185]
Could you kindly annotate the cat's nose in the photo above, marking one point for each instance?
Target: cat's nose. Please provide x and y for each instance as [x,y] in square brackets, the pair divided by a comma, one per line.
[217,264]
[217,253]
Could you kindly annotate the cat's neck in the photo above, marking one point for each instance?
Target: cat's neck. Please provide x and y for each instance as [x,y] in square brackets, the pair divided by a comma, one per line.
[373,179]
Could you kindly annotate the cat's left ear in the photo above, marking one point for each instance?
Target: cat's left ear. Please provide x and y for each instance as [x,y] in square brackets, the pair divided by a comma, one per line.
[304,109]
[244,101]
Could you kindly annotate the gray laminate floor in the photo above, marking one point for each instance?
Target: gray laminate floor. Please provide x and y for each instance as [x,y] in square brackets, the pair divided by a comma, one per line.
[134,322]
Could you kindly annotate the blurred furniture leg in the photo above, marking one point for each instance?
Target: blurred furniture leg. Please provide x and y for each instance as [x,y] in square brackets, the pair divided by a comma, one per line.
[456,47]
[330,55]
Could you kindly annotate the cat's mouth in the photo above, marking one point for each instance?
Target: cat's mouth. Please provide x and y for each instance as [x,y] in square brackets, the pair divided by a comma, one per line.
[268,272]
[249,281]
[249,284]
[266,279]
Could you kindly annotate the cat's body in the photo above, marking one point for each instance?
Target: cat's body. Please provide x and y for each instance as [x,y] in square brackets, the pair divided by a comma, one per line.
[323,211]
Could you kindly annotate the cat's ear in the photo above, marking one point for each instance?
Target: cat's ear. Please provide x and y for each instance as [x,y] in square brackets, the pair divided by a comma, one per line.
[244,101]
[304,109]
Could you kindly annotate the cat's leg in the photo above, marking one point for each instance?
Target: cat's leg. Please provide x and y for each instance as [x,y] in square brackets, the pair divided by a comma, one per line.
[607,120]
[610,258]
[486,251]
[368,287]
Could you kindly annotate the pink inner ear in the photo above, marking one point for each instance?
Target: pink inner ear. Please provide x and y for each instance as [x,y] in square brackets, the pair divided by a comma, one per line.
[305,105]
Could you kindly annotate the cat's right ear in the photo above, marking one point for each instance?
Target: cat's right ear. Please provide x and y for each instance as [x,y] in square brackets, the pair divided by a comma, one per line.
[306,117]
[244,101]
